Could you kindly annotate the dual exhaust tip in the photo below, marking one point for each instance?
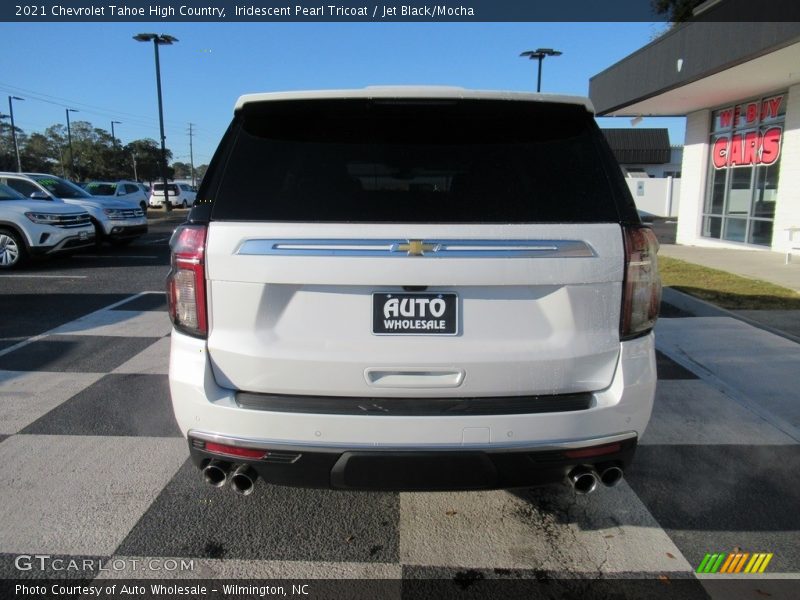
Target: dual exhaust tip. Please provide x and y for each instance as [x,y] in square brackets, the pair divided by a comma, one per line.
[584,479]
[243,478]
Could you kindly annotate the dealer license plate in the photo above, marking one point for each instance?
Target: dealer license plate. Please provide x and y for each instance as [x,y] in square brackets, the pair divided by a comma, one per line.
[414,314]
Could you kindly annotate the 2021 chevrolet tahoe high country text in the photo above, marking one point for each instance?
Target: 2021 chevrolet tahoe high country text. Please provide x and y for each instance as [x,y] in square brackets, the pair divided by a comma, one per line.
[413,288]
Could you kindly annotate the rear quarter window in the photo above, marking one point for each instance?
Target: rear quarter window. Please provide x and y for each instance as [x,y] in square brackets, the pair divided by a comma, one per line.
[449,161]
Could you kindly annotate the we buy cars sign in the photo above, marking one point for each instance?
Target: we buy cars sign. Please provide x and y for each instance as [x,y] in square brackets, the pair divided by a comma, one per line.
[748,148]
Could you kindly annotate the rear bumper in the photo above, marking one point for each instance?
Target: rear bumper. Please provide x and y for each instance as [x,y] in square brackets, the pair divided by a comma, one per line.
[416,470]
[174,201]
[504,449]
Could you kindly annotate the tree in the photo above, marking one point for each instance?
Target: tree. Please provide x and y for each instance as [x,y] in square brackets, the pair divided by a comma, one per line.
[182,170]
[147,154]
[96,153]
[677,10]
[200,172]
[8,157]
[40,155]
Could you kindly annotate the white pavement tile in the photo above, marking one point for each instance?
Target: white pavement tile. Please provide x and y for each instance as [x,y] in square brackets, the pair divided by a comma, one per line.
[137,567]
[24,397]
[609,531]
[123,323]
[153,360]
[693,412]
[80,494]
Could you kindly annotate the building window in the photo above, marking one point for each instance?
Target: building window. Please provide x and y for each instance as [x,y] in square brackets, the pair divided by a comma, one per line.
[745,159]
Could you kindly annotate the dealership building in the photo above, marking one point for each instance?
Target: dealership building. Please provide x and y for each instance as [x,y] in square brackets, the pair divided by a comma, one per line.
[738,85]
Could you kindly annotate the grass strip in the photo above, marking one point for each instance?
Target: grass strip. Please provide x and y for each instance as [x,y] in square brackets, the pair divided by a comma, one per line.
[725,289]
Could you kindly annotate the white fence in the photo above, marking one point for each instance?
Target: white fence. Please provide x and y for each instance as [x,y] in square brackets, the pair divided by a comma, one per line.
[660,197]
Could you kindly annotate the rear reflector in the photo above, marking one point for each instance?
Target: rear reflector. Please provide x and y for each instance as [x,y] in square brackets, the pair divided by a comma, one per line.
[641,292]
[235,451]
[595,451]
[186,282]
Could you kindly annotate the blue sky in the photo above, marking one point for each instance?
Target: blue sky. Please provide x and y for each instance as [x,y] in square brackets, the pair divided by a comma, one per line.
[99,70]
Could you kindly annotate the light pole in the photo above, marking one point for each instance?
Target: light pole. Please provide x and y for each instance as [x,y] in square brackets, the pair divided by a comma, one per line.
[13,129]
[69,138]
[540,54]
[113,137]
[160,40]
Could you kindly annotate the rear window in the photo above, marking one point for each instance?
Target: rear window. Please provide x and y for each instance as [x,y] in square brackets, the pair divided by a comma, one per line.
[459,161]
[101,189]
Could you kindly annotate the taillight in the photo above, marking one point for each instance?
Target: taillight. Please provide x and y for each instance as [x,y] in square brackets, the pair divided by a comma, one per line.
[186,282]
[641,291]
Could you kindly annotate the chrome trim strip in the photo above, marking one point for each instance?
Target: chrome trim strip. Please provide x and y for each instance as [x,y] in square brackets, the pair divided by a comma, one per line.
[393,248]
[521,447]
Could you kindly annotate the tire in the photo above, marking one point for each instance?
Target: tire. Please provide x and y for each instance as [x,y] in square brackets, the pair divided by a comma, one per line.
[99,236]
[12,249]
[184,204]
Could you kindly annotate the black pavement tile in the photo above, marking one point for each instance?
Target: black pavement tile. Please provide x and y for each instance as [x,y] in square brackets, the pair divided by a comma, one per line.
[717,498]
[191,519]
[75,353]
[145,302]
[117,404]
[51,566]
[6,342]
[669,369]
[669,311]
[29,314]
[464,583]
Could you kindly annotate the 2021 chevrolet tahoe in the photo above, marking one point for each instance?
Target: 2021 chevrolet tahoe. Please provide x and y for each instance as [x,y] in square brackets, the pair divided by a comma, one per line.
[413,288]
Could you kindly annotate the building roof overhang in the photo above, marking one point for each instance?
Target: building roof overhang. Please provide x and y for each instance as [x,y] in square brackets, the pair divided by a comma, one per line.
[700,65]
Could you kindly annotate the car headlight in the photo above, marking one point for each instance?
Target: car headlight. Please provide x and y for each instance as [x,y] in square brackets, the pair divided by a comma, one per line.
[113,213]
[43,218]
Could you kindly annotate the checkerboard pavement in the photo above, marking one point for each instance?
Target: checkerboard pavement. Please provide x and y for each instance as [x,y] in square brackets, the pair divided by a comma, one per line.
[95,467]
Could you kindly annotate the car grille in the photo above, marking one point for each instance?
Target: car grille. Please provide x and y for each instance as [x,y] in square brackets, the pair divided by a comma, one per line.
[132,213]
[73,220]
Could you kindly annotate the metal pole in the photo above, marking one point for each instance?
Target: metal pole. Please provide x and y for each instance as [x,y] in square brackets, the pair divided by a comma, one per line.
[191,153]
[539,77]
[14,131]
[71,155]
[167,203]
[113,137]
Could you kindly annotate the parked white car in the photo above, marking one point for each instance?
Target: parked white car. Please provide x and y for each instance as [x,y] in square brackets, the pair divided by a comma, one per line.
[130,191]
[117,221]
[438,289]
[180,194]
[30,228]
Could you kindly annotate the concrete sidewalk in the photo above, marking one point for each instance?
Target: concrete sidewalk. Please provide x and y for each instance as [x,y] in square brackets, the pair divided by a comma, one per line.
[756,264]
[754,367]
[751,355]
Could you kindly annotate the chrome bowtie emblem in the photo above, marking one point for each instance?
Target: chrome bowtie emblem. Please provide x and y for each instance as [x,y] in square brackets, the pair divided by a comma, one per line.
[415,248]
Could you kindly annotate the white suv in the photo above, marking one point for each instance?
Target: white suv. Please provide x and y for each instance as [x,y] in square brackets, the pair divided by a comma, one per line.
[129,191]
[180,194]
[413,288]
[39,228]
[117,221]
